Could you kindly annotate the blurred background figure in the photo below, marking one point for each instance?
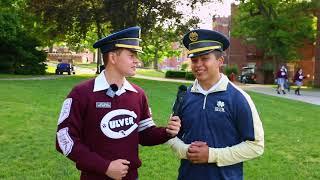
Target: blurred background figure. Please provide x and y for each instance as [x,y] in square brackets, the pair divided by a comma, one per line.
[298,79]
[282,78]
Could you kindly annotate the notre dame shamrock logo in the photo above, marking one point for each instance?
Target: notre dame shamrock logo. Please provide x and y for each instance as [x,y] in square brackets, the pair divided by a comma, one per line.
[193,36]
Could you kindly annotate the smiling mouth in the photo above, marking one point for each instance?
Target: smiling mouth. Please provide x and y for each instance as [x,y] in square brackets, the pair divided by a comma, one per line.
[200,71]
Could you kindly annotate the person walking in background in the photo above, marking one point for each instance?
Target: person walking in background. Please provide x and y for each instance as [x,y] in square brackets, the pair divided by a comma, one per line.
[298,79]
[282,77]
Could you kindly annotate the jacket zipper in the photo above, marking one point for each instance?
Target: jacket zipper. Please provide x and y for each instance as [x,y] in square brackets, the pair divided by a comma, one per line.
[204,101]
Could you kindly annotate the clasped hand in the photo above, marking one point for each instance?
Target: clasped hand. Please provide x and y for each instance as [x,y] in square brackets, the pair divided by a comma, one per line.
[198,152]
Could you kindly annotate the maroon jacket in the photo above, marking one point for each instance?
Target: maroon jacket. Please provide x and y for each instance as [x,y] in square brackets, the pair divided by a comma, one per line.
[282,74]
[298,77]
[95,129]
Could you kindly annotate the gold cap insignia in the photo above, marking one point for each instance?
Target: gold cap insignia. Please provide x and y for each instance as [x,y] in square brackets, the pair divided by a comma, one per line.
[193,36]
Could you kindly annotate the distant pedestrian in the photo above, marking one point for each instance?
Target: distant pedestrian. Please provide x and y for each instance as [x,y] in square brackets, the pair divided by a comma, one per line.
[282,78]
[298,79]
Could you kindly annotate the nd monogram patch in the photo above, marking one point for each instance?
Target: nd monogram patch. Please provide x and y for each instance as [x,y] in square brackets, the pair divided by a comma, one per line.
[219,107]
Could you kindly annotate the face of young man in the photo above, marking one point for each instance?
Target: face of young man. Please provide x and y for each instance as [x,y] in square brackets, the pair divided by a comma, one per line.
[125,62]
[206,67]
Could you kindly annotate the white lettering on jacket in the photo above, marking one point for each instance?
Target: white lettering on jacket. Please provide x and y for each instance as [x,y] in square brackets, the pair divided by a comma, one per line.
[65,110]
[107,125]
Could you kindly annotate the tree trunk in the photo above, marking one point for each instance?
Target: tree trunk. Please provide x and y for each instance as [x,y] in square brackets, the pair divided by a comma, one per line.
[99,33]
[94,56]
[99,61]
[155,61]
[156,57]
[275,66]
[317,52]
[135,11]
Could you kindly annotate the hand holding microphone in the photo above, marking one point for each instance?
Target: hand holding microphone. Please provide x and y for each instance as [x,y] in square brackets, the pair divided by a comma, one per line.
[173,126]
[174,123]
[177,104]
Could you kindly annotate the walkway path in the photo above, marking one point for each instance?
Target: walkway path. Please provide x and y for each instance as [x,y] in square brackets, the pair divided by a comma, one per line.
[47,77]
[308,96]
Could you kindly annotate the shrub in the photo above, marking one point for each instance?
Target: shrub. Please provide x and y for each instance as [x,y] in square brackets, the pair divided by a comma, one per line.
[190,76]
[184,66]
[18,47]
[231,69]
[175,74]
[6,64]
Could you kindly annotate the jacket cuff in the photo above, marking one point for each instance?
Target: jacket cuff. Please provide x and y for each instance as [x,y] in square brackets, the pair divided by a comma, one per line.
[213,155]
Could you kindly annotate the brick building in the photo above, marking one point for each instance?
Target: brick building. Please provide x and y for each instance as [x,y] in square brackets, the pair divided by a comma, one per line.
[244,55]
[63,54]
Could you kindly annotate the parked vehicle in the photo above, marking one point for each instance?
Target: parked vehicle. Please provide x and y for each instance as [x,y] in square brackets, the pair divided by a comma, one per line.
[248,75]
[65,67]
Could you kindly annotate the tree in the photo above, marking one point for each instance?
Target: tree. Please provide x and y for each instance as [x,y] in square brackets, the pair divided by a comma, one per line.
[157,45]
[164,41]
[75,19]
[317,55]
[271,27]
[17,43]
[314,6]
[162,25]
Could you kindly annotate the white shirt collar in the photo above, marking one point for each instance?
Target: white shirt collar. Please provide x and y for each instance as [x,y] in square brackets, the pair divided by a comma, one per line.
[101,83]
[221,85]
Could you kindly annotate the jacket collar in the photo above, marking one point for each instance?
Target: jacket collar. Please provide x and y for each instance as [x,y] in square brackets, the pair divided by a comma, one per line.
[221,85]
[101,83]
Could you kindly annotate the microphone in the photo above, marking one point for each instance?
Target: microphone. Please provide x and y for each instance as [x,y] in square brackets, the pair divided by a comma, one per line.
[111,92]
[180,95]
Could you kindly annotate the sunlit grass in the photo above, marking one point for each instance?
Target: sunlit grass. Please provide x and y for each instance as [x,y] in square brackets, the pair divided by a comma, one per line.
[150,73]
[30,109]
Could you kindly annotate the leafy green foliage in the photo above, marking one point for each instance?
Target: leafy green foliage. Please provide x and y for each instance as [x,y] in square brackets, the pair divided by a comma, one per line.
[80,23]
[231,69]
[175,74]
[184,66]
[271,27]
[190,76]
[157,45]
[17,43]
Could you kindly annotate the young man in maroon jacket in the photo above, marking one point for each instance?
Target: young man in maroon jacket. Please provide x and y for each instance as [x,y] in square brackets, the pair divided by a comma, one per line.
[103,120]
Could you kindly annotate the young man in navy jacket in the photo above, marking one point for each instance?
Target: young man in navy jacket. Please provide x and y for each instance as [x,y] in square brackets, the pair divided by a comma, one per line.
[221,127]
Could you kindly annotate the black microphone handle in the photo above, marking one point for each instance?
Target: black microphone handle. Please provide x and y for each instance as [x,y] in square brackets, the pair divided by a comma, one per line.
[177,104]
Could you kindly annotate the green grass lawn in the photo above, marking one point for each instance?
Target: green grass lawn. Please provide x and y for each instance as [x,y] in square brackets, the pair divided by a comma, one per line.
[145,72]
[30,109]
[3,76]
[90,66]
[151,73]
[49,71]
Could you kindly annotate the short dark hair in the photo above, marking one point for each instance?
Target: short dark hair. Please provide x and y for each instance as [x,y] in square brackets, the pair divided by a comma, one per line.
[218,54]
[105,55]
